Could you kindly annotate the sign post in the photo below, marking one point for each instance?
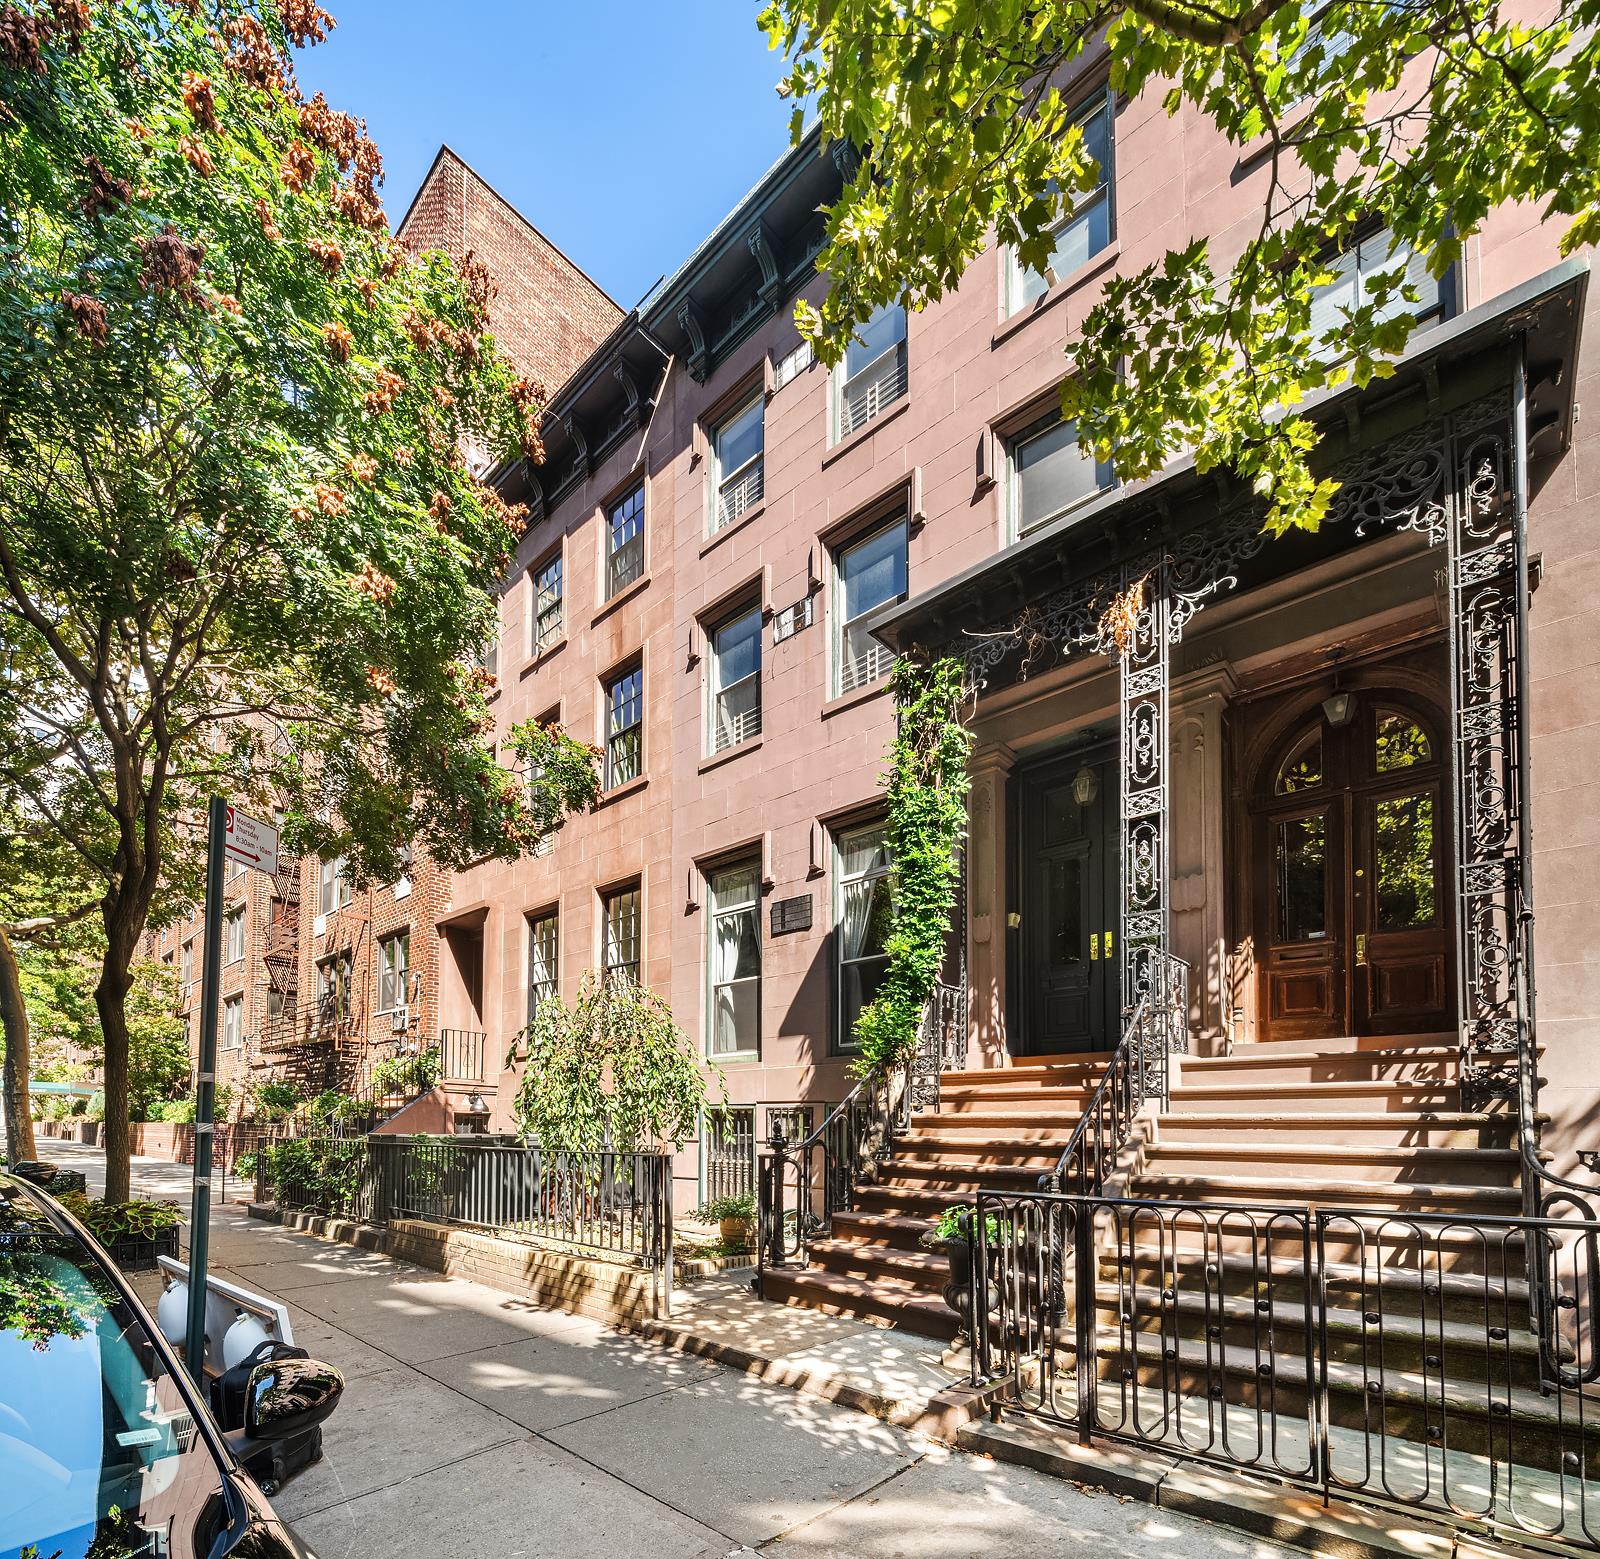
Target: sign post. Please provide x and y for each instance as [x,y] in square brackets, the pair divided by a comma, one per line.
[229,834]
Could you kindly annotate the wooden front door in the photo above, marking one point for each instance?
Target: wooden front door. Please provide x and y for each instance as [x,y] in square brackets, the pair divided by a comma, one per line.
[1350,892]
[1067,938]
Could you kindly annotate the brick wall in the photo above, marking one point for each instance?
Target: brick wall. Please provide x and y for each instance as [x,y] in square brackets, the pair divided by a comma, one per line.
[547,315]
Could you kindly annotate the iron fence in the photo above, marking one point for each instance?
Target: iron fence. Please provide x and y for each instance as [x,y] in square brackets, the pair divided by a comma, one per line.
[462,1052]
[617,1205]
[1375,1356]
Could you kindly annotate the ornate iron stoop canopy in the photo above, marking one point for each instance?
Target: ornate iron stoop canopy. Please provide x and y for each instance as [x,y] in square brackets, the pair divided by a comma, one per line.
[1442,450]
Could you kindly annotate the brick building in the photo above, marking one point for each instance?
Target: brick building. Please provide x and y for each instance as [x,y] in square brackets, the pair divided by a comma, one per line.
[322,976]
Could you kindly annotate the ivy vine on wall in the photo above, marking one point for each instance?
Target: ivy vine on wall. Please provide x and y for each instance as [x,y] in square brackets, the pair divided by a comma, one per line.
[927,826]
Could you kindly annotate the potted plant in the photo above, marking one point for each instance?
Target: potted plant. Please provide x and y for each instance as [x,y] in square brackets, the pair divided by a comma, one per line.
[133,1233]
[952,1236]
[734,1217]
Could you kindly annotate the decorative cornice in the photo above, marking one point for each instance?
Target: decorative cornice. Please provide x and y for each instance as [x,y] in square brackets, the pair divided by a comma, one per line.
[759,241]
[699,359]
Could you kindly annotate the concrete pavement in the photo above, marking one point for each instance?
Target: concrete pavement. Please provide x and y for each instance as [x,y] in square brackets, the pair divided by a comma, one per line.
[474,1423]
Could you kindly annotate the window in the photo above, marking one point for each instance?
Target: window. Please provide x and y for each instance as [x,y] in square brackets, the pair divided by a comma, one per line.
[544,953]
[486,657]
[736,462]
[792,364]
[619,954]
[186,963]
[235,869]
[872,376]
[333,886]
[1050,473]
[1084,227]
[729,1163]
[394,965]
[232,1022]
[625,541]
[333,987]
[867,574]
[624,727]
[233,935]
[733,962]
[736,680]
[1352,285]
[547,614]
[277,1006]
[860,923]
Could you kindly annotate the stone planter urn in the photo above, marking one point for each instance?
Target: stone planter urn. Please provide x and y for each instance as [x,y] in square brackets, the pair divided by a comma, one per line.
[957,1290]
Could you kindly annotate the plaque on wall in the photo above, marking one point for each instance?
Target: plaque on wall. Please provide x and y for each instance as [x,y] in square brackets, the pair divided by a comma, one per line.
[791,915]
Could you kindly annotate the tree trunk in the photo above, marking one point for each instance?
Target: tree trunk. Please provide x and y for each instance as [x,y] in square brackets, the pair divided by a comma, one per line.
[110,1000]
[19,1060]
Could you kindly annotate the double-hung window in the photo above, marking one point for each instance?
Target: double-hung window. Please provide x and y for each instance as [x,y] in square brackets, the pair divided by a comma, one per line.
[1050,473]
[394,966]
[1083,227]
[233,1022]
[733,962]
[1351,286]
[625,541]
[619,951]
[547,607]
[737,444]
[486,657]
[544,954]
[333,886]
[872,375]
[736,680]
[333,987]
[861,915]
[534,777]
[233,935]
[867,574]
[186,963]
[624,727]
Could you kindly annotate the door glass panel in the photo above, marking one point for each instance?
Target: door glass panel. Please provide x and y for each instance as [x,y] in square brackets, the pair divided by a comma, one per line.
[1302,872]
[1400,743]
[1402,829]
[1063,890]
[1303,768]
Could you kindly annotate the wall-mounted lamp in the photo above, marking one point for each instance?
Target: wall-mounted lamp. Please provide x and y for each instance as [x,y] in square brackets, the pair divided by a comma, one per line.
[1339,709]
[1085,786]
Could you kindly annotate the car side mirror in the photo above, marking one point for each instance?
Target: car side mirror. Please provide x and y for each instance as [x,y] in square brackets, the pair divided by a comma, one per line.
[286,1397]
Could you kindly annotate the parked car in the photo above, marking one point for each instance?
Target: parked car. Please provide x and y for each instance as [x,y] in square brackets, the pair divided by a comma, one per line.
[107,1447]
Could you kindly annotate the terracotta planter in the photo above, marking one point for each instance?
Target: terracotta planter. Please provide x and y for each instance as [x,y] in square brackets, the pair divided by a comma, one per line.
[735,1233]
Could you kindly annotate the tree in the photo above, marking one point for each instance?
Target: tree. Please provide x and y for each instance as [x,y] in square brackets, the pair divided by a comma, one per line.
[245,549]
[1419,115]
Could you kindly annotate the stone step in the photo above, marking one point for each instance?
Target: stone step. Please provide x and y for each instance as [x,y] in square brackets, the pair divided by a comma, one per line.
[899,1231]
[1268,1064]
[1088,1066]
[1381,1164]
[1279,1269]
[926,1270]
[975,1126]
[964,1178]
[982,1148]
[1304,1190]
[1396,1128]
[1367,1096]
[1439,1039]
[925,1201]
[1027,1103]
[887,1302]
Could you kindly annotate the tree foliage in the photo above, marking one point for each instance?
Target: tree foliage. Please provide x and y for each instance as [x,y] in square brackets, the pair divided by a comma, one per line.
[612,1071]
[927,825]
[247,548]
[1417,115]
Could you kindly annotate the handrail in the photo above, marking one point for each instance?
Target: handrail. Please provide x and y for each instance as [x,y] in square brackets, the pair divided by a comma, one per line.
[1107,1098]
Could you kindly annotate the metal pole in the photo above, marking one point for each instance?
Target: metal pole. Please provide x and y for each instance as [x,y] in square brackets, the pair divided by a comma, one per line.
[205,1093]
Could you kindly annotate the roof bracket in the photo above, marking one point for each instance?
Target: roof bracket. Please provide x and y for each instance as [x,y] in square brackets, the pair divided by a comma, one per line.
[698,361]
[760,243]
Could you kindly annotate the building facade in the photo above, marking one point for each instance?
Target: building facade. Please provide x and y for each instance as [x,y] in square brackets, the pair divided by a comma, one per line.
[722,524]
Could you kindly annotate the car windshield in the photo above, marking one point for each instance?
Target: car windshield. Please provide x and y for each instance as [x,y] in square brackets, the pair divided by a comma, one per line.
[99,1453]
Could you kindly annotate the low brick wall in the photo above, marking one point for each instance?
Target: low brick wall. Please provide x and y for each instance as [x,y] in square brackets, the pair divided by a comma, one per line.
[555,1280]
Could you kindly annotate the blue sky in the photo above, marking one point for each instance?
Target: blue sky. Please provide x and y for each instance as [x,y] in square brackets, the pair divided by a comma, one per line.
[623,129]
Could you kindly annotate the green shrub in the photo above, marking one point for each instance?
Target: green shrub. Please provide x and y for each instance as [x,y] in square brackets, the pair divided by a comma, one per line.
[408,1074]
[319,1172]
[112,1221]
[741,1205]
[275,1101]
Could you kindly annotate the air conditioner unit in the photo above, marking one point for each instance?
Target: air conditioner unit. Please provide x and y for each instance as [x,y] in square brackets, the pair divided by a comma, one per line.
[399,1020]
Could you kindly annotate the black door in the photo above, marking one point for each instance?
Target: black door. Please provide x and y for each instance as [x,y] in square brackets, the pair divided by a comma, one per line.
[1066,874]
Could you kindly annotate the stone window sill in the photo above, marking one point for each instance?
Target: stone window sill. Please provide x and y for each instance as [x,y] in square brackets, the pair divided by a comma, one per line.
[716,539]
[859,695]
[620,792]
[1094,266]
[621,598]
[539,657]
[728,754]
[862,434]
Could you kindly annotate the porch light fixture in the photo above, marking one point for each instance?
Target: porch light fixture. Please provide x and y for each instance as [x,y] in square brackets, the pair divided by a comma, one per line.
[1339,708]
[476,1103]
[1085,787]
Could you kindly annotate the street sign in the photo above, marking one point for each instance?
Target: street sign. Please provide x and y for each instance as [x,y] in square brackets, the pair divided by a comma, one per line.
[251,841]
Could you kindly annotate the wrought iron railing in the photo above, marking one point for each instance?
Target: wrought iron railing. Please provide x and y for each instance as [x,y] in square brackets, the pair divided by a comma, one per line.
[739,492]
[1138,1071]
[462,1051]
[617,1205]
[1365,1355]
[876,387]
[801,1185]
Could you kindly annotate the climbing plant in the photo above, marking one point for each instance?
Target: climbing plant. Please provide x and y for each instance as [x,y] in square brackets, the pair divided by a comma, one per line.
[927,826]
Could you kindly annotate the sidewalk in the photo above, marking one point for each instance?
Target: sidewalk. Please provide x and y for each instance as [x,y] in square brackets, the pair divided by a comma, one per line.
[475,1424]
